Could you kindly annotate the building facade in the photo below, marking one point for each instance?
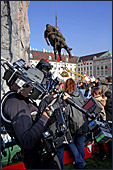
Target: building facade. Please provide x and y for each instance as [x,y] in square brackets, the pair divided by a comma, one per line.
[71,64]
[97,65]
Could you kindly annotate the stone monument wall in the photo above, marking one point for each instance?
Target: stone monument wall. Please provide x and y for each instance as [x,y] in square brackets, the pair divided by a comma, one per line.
[15,33]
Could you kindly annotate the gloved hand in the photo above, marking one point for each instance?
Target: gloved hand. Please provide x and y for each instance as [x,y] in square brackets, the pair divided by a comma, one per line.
[44,103]
[55,104]
[51,103]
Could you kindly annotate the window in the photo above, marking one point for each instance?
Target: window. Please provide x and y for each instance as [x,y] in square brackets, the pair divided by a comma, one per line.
[66,59]
[106,67]
[90,67]
[98,71]
[102,72]
[98,62]
[101,67]
[90,73]
[87,68]
[49,57]
[31,56]
[78,69]
[106,71]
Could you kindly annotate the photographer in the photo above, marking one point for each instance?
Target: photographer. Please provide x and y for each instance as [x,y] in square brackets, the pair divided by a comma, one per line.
[78,126]
[19,109]
[97,94]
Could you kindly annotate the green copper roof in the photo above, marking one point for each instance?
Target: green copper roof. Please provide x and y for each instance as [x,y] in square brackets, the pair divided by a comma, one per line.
[105,54]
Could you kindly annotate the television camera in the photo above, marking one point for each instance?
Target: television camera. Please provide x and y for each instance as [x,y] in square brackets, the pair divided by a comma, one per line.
[41,83]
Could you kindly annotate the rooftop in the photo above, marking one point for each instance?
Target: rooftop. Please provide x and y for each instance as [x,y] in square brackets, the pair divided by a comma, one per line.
[91,56]
[37,55]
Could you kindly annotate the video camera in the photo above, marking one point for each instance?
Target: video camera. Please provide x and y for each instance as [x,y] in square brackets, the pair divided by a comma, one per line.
[19,76]
[100,127]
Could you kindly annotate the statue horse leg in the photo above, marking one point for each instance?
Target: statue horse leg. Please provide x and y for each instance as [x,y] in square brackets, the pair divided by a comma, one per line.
[55,51]
[59,52]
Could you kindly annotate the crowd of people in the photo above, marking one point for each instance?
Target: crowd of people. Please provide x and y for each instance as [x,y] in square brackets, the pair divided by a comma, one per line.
[102,92]
[18,109]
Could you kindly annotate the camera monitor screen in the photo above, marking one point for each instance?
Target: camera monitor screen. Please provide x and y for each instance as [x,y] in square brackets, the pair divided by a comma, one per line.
[88,105]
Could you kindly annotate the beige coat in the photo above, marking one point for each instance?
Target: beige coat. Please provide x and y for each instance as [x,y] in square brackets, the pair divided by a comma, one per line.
[102,102]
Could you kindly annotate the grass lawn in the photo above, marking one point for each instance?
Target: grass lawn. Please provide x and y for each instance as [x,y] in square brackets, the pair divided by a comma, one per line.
[91,162]
[94,163]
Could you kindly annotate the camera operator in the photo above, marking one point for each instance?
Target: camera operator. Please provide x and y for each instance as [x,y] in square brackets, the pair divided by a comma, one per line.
[97,94]
[78,126]
[19,109]
[107,86]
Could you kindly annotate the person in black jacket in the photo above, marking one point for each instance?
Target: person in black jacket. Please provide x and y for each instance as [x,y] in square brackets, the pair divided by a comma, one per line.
[27,132]
[108,110]
[97,82]
[78,126]
[108,106]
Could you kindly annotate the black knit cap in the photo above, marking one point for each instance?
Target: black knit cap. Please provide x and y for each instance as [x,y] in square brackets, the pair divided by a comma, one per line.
[108,94]
[47,25]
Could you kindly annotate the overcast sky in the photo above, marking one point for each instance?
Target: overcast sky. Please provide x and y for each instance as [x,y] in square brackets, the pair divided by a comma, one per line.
[86,25]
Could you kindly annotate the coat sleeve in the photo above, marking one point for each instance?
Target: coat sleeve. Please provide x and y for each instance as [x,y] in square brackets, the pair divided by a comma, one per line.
[103,110]
[27,133]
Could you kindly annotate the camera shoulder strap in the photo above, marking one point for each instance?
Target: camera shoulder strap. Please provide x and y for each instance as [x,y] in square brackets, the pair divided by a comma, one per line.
[4,99]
